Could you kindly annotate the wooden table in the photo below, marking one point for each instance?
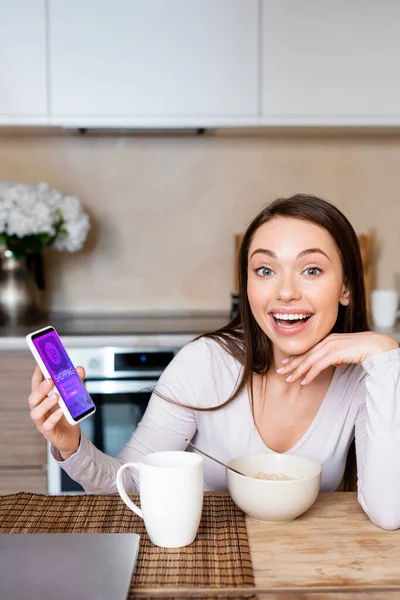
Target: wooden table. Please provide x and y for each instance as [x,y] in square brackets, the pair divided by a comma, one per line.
[332,551]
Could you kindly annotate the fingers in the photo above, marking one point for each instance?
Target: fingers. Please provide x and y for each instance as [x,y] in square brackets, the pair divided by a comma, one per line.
[333,350]
[294,361]
[41,387]
[37,378]
[39,412]
[81,372]
[314,371]
[52,420]
[40,393]
[313,362]
[308,374]
[297,361]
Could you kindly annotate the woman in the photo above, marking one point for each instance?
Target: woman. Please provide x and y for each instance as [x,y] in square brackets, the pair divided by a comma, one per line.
[297,371]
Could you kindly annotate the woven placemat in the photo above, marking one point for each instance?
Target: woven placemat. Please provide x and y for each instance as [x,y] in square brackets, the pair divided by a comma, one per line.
[218,558]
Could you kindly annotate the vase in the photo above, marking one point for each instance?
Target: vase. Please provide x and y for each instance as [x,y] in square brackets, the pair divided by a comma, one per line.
[19,294]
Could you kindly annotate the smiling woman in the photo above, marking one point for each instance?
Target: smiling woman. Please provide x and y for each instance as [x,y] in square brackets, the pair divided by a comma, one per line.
[297,371]
[294,291]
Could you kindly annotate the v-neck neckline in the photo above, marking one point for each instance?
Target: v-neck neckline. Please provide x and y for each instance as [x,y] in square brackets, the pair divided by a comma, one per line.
[309,430]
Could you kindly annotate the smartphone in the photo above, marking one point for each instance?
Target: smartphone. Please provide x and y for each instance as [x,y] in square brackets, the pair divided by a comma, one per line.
[55,363]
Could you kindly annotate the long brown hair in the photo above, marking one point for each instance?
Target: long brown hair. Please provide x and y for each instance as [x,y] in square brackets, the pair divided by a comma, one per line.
[243,338]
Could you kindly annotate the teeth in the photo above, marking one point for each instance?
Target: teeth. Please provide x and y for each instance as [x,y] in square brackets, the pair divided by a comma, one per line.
[285,317]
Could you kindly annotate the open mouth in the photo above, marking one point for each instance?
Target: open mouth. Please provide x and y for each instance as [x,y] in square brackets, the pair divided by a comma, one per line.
[290,321]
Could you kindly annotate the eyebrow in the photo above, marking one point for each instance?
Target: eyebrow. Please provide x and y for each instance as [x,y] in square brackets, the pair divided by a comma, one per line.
[300,254]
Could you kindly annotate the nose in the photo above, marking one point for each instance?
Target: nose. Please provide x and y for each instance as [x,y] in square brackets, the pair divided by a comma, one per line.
[287,288]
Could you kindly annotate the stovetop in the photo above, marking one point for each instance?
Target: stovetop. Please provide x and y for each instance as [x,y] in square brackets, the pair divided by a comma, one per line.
[118,324]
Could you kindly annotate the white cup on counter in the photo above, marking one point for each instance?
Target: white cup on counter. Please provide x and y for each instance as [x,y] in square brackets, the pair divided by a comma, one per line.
[384,307]
[171,496]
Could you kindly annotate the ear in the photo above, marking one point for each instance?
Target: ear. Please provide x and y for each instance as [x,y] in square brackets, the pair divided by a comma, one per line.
[344,298]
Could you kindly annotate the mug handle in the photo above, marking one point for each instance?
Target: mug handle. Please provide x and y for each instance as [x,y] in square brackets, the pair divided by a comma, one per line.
[122,492]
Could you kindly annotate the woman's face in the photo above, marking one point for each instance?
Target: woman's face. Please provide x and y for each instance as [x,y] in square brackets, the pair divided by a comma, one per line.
[295,283]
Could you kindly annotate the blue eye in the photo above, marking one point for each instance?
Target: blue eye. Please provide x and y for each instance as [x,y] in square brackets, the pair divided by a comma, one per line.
[313,271]
[263,272]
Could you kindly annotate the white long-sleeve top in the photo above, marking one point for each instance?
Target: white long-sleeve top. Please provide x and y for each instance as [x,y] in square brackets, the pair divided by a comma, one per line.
[362,401]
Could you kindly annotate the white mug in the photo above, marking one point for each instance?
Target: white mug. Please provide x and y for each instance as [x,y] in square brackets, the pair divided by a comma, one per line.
[171,496]
[384,306]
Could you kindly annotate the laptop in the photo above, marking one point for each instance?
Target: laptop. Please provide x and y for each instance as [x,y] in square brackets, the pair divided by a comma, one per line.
[88,566]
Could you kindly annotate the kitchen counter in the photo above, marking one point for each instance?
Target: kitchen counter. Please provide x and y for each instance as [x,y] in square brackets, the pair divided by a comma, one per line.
[117,330]
[146,330]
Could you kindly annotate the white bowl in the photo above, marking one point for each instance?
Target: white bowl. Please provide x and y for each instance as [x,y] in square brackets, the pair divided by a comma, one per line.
[272,501]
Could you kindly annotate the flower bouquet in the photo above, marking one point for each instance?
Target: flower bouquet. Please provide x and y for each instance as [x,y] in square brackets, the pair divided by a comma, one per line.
[33,216]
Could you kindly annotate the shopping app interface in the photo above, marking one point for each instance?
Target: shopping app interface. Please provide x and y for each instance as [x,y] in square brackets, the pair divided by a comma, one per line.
[62,371]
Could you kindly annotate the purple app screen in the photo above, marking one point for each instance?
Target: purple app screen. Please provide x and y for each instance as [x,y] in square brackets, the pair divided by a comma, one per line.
[63,373]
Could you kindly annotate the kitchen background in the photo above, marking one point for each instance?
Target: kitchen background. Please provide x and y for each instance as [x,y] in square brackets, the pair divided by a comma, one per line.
[174,122]
[164,208]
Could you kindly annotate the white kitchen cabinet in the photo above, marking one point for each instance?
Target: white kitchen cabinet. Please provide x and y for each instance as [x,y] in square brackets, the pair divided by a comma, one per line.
[23,80]
[153,62]
[331,63]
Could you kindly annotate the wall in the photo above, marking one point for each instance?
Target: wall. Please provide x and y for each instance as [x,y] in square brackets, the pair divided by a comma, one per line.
[164,209]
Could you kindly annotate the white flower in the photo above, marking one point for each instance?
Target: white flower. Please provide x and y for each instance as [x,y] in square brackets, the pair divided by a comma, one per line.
[33,209]
[76,226]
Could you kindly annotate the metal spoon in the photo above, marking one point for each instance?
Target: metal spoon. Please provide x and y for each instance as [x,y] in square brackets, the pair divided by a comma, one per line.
[214,459]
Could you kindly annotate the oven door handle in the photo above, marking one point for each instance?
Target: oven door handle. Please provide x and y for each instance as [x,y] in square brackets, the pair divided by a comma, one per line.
[116,386]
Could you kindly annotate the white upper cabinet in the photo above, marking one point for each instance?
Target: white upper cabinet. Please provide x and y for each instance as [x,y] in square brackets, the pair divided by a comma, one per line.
[23,92]
[199,63]
[331,62]
[154,62]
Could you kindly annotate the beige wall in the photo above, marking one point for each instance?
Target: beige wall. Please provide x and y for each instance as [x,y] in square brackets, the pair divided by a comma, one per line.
[164,209]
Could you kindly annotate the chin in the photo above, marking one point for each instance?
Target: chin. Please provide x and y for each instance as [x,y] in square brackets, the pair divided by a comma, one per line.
[297,344]
[294,347]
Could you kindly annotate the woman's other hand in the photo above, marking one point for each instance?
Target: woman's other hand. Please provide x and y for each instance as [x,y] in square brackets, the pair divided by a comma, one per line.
[48,416]
[335,350]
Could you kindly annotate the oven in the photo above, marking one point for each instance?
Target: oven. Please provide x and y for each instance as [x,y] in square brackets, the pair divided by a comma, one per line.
[120,381]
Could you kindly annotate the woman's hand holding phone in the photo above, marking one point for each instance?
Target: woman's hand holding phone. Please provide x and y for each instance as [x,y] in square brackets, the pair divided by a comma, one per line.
[49,418]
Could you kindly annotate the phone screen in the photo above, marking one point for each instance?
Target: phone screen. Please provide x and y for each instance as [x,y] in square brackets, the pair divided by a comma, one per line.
[63,373]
